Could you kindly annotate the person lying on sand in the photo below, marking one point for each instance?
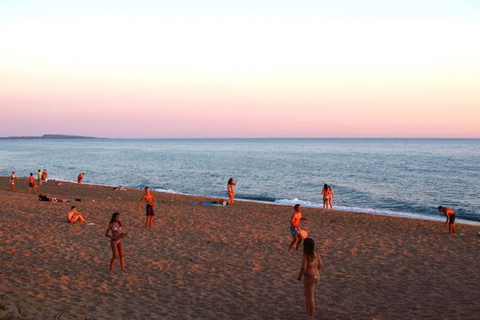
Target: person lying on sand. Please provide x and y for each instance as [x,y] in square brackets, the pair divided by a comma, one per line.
[120,188]
[74,216]
[47,197]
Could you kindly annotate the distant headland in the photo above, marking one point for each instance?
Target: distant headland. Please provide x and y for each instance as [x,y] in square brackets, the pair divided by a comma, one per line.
[47,137]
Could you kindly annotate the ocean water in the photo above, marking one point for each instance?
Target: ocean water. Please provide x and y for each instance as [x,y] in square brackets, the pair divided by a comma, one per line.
[402,177]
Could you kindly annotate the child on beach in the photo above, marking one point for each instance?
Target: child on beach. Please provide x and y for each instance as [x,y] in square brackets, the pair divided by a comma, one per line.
[151,201]
[310,270]
[80,177]
[295,227]
[450,214]
[115,228]
[31,184]
[231,190]
[39,177]
[12,180]
[74,215]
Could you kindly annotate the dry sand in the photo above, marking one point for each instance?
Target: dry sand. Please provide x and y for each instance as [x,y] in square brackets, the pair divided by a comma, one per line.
[205,262]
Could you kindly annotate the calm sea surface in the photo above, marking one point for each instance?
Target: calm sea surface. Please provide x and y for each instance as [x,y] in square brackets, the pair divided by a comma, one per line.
[404,177]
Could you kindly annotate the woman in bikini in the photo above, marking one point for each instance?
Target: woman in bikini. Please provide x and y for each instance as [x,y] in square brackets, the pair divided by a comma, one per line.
[231,190]
[325,196]
[115,228]
[330,198]
[310,270]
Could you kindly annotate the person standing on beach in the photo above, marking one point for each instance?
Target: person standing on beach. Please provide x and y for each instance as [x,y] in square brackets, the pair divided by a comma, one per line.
[295,227]
[310,270]
[231,190]
[450,214]
[12,180]
[325,196]
[45,175]
[151,201]
[31,184]
[330,197]
[39,177]
[80,177]
[115,228]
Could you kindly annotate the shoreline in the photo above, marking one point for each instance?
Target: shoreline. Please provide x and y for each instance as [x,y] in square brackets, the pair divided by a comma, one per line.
[288,202]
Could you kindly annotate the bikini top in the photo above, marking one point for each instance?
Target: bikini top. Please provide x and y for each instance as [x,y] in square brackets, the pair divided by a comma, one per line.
[115,229]
[313,263]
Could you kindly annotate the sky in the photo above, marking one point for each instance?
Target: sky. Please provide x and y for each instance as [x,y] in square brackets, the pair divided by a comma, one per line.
[224,69]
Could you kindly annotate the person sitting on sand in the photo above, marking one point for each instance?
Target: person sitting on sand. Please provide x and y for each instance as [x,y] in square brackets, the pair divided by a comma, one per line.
[450,214]
[151,201]
[31,184]
[310,270]
[295,227]
[115,228]
[231,190]
[74,215]
[80,177]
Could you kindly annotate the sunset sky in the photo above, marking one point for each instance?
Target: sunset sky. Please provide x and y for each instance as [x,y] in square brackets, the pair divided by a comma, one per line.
[308,68]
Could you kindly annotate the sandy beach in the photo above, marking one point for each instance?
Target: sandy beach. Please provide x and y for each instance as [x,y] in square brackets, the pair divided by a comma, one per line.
[225,262]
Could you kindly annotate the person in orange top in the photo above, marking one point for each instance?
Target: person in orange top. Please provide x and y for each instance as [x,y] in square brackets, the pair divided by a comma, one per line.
[80,177]
[151,201]
[31,183]
[450,214]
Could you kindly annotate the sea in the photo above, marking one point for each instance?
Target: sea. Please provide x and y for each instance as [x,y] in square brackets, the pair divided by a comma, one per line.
[394,177]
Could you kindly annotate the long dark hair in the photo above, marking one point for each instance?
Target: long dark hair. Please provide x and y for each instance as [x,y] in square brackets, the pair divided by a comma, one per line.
[325,187]
[230,181]
[309,248]
[114,215]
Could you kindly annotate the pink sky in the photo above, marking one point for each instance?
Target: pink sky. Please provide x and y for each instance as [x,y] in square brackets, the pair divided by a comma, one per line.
[271,77]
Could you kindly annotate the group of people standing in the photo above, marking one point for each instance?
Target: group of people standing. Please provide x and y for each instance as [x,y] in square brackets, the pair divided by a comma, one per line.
[32,183]
[327,195]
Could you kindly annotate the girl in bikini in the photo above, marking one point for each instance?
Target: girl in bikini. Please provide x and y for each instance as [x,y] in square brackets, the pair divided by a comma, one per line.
[310,270]
[330,198]
[115,228]
[231,190]
[325,196]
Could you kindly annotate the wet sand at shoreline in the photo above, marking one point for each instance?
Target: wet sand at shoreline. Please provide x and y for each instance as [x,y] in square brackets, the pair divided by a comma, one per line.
[225,262]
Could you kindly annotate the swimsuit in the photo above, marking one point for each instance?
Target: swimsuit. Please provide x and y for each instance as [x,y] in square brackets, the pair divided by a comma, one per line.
[312,277]
[315,278]
[115,229]
[294,231]
[150,210]
[452,219]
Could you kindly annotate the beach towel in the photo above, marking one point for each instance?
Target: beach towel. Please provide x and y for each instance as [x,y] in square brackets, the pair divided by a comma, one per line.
[206,203]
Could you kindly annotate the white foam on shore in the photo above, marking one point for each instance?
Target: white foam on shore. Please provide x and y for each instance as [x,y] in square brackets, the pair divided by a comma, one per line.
[310,204]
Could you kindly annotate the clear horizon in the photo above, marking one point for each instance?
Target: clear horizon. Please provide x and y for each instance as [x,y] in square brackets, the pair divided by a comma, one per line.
[222,69]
